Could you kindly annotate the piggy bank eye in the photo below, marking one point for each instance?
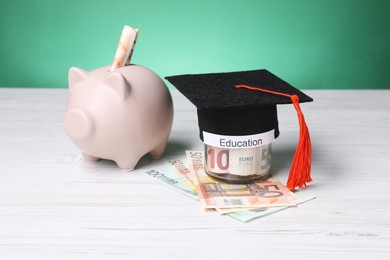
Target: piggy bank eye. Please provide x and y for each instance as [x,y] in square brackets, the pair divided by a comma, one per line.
[116,82]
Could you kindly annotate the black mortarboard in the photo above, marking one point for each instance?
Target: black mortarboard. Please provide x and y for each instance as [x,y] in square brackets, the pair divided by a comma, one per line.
[224,109]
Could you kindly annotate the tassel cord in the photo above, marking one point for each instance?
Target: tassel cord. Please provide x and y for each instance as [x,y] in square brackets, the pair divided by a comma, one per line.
[300,169]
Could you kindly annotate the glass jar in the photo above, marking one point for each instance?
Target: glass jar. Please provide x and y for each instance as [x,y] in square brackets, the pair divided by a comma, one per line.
[238,165]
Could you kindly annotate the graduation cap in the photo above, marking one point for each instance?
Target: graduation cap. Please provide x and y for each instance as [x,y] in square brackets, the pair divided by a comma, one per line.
[244,103]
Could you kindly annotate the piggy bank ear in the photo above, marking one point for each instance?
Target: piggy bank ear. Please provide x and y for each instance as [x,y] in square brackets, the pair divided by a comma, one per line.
[118,84]
[76,75]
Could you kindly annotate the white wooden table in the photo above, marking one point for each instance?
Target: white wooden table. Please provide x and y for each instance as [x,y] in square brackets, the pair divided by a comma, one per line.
[53,205]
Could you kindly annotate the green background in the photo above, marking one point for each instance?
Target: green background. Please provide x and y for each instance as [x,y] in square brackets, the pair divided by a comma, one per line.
[311,44]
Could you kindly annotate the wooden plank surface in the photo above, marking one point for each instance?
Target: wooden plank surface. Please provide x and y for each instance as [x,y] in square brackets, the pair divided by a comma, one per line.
[53,205]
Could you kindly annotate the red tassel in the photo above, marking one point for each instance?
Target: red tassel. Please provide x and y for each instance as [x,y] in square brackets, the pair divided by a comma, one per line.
[300,169]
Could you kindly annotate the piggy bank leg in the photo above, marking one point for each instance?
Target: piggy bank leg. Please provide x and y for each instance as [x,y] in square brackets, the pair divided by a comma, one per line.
[157,152]
[90,158]
[126,164]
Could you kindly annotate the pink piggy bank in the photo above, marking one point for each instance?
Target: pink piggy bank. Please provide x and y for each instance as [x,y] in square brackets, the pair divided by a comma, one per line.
[119,115]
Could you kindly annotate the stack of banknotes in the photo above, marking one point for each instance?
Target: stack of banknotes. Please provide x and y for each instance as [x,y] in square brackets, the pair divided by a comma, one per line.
[243,202]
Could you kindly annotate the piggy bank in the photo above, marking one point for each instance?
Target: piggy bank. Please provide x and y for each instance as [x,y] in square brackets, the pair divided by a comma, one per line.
[118,115]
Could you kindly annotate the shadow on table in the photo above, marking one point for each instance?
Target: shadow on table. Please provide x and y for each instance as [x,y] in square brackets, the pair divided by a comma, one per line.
[176,148]
[324,168]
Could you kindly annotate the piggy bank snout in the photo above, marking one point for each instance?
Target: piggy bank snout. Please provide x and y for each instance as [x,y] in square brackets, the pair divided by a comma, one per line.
[78,123]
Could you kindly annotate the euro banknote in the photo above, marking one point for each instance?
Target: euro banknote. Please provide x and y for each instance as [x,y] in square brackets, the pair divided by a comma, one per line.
[216,194]
[169,175]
